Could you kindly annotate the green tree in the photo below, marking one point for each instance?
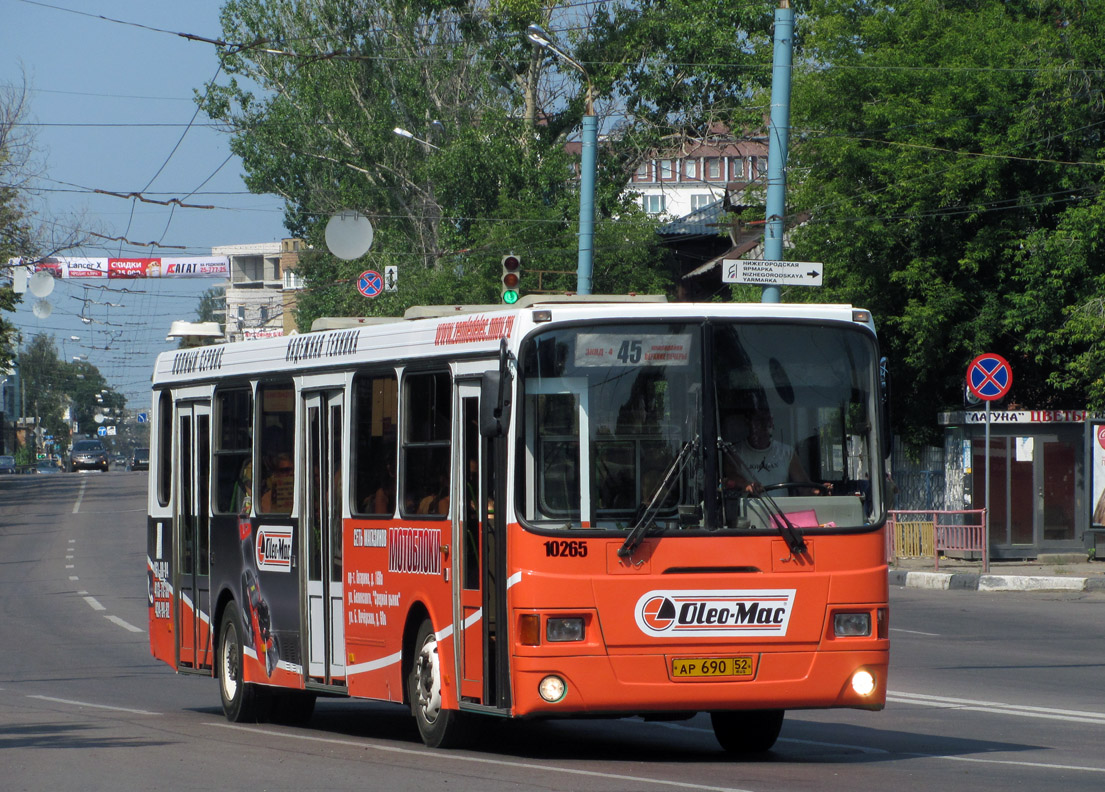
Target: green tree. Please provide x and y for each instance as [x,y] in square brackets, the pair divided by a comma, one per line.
[950,157]
[15,232]
[313,92]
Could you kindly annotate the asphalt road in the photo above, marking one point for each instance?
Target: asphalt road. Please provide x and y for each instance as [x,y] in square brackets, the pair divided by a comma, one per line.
[988,691]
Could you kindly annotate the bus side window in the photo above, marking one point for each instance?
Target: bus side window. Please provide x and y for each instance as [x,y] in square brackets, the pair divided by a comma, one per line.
[427,436]
[376,444]
[233,447]
[276,481]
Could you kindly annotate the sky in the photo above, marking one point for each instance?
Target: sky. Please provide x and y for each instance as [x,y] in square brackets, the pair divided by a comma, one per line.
[110,105]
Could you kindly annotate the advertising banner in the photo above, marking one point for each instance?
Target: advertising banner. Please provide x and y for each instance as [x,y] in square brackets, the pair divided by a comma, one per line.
[80,267]
[1097,474]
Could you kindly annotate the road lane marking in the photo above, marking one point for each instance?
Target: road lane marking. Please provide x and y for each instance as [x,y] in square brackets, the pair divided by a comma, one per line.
[124,624]
[448,756]
[1010,762]
[80,497]
[915,632]
[94,604]
[93,706]
[868,749]
[996,707]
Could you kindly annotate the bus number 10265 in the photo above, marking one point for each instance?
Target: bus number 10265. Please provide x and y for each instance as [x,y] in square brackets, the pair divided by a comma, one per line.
[565,548]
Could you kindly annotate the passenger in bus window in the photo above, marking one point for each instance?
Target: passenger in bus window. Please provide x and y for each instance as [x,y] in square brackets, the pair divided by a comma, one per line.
[761,460]
[278,489]
[437,501]
[242,501]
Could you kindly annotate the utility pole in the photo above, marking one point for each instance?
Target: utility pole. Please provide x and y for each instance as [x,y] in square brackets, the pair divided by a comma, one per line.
[778,135]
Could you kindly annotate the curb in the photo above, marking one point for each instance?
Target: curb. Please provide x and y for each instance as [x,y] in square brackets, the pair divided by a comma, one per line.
[969,581]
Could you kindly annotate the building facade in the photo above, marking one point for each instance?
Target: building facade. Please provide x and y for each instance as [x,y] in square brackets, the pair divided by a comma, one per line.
[260,295]
[1047,472]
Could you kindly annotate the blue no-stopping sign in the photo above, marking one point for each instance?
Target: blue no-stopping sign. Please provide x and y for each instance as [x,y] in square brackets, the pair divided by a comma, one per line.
[989,377]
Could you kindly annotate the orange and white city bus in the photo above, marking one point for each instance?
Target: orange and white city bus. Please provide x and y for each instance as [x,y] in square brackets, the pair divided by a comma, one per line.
[561,508]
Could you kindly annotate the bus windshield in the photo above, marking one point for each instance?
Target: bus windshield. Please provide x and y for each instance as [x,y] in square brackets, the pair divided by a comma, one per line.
[719,425]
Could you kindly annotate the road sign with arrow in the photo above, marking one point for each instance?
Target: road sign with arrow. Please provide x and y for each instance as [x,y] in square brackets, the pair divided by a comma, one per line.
[772,273]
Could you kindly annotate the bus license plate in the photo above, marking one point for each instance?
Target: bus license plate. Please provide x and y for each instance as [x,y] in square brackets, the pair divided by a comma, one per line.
[682,667]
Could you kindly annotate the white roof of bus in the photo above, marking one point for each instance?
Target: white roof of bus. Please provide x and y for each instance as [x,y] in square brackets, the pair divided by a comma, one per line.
[455,330]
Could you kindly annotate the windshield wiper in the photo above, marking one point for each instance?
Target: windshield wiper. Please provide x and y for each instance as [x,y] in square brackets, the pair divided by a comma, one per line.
[648,516]
[790,533]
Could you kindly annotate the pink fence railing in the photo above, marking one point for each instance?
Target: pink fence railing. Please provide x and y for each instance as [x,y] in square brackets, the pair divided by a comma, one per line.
[928,533]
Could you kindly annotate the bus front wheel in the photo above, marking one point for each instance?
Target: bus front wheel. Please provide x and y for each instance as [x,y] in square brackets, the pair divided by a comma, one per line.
[241,700]
[748,731]
[439,727]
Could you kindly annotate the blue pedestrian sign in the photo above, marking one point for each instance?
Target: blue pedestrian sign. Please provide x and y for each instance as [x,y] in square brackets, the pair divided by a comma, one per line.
[989,377]
[370,283]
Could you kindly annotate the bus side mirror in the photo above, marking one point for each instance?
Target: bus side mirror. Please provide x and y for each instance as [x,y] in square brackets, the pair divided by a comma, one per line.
[884,407]
[494,404]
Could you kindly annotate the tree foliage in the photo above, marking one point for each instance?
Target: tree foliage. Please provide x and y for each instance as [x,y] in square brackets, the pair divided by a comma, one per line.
[314,92]
[950,155]
[15,232]
[59,393]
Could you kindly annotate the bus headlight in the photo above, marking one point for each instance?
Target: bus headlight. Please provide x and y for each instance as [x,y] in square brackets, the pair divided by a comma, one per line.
[557,629]
[863,682]
[851,625]
[552,689]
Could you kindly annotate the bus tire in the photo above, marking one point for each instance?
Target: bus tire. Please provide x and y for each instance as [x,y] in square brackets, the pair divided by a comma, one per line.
[439,727]
[747,731]
[242,701]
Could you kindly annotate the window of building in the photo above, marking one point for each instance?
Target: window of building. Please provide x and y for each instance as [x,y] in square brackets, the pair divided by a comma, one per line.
[642,171]
[713,168]
[667,171]
[699,200]
[736,165]
[653,204]
[690,168]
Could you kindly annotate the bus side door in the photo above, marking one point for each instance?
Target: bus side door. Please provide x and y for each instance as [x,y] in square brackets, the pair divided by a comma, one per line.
[192,461]
[322,526]
[479,581]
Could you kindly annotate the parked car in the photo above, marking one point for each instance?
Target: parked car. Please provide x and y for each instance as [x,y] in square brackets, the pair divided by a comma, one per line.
[47,466]
[7,464]
[88,455]
[141,459]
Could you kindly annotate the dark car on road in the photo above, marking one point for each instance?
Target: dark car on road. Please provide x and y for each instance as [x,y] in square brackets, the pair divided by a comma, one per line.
[88,455]
[7,464]
[141,459]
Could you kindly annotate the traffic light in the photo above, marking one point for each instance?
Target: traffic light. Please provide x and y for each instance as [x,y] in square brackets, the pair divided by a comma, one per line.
[512,270]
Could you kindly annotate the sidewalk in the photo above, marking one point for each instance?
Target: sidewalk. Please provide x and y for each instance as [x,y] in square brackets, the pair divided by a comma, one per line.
[1059,572]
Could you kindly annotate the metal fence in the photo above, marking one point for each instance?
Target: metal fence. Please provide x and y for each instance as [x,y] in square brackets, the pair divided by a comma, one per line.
[919,476]
[931,533]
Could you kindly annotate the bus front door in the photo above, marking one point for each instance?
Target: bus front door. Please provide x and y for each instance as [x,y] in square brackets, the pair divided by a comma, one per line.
[480,564]
[322,524]
[193,552]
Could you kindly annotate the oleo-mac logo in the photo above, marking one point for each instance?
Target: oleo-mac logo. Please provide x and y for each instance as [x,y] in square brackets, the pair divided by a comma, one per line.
[274,548]
[665,614]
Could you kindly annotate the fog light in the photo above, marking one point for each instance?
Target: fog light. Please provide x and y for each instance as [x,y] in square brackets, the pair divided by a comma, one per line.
[851,624]
[564,629]
[863,682]
[552,689]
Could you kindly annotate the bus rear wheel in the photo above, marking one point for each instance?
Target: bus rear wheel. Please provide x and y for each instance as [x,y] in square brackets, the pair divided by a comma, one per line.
[242,701]
[748,731]
[439,727]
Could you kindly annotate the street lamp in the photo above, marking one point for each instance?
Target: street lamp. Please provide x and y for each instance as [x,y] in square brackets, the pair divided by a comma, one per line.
[410,136]
[538,36]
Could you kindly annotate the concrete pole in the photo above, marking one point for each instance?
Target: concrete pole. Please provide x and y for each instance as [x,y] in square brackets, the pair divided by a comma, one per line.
[778,135]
